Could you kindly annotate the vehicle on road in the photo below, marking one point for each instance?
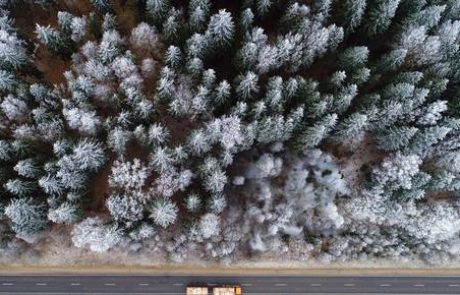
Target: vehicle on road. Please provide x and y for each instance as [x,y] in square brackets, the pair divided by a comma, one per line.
[219,290]
[196,290]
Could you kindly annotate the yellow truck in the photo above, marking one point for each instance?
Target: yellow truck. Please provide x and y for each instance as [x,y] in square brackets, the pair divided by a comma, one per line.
[219,290]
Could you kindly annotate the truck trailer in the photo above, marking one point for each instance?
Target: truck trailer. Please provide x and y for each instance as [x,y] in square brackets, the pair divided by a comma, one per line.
[219,290]
[227,290]
[197,291]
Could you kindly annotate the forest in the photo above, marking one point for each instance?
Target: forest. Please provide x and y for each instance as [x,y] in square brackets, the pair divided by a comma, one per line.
[311,130]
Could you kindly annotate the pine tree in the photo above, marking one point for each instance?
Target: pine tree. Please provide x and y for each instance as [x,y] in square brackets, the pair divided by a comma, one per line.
[395,138]
[7,81]
[209,78]
[380,15]
[397,171]
[118,139]
[352,129]
[20,187]
[422,142]
[165,86]
[173,56]
[12,53]
[353,57]
[220,31]
[353,12]
[102,6]
[195,67]
[129,176]
[313,135]
[263,7]
[246,19]
[198,142]
[158,9]
[161,159]
[209,225]
[322,9]
[125,208]
[274,94]
[172,27]
[199,12]
[88,155]
[51,185]
[27,216]
[222,92]
[157,134]
[193,202]
[215,180]
[163,212]
[15,108]
[391,61]
[28,168]
[248,86]
[66,213]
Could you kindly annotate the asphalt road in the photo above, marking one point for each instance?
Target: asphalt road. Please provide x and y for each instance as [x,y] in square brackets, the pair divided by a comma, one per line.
[81,284]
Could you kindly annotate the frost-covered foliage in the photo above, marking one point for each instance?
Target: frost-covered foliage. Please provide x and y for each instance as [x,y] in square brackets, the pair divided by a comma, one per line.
[313,129]
[96,235]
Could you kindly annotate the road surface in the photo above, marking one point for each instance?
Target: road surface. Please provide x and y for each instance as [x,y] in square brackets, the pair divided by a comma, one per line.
[168,285]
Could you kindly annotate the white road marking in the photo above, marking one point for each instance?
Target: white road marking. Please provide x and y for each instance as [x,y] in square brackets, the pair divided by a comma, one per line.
[110,284]
[419,285]
[212,284]
[143,284]
[246,284]
[349,285]
[41,284]
[454,285]
[385,285]
[7,284]
[280,285]
[178,284]
[316,285]
[75,284]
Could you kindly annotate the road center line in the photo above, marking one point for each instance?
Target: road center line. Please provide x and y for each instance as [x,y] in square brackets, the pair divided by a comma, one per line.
[280,285]
[109,284]
[385,285]
[41,284]
[419,285]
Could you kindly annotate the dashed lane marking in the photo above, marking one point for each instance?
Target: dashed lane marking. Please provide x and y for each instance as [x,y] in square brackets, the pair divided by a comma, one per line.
[110,284]
[454,285]
[316,285]
[41,284]
[246,284]
[7,284]
[385,285]
[178,284]
[280,285]
[348,285]
[143,284]
[419,285]
[75,284]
